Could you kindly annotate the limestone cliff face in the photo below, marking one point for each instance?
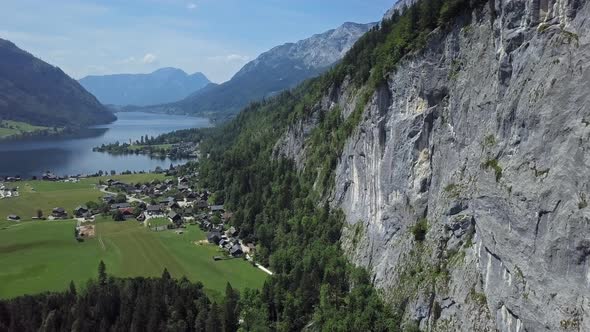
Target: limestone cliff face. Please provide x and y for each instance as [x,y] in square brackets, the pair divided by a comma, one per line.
[480,142]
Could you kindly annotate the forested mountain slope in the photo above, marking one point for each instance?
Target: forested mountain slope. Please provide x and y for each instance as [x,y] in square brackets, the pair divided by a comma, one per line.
[456,156]
[38,93]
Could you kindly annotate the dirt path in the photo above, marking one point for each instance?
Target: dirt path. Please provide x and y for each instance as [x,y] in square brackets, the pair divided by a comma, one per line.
[267,271]
[104,248]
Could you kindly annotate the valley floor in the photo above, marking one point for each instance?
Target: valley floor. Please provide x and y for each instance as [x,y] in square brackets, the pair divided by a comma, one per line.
[39,256]
[44,256]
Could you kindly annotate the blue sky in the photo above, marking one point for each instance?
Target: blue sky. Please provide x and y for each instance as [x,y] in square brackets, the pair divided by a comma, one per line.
[216,37]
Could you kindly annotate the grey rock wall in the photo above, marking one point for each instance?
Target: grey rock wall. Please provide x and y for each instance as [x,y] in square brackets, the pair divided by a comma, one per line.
[481,143]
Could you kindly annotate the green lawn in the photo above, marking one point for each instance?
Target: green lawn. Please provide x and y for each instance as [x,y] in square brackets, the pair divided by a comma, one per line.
[46,195]
[11,128]
[157,222]
[129,178]
[41,256]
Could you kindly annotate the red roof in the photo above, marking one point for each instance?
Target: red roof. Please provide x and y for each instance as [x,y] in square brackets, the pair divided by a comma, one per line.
[126,210]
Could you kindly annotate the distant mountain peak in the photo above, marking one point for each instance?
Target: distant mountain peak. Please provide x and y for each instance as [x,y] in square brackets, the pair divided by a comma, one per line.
[316,52]
[163,85]
[282,67]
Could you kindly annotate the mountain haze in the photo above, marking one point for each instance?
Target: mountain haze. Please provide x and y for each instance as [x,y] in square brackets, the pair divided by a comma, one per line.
[38,93]
[164,85]
[278,69]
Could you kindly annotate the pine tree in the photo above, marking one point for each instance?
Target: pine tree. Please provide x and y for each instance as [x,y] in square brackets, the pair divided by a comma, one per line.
[213,323]
[166,275]
[231,311]
[102,274]
[73,288]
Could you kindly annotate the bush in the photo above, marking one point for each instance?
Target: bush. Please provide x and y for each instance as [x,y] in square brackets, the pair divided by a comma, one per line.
[420,229]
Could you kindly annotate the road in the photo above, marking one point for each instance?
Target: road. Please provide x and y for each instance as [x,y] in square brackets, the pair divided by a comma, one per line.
[103,189]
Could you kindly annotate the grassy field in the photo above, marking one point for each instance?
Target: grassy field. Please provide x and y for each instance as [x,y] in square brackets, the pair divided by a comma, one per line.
[155,146]
[129,178]
[41,256]
[11,128]
[46,195]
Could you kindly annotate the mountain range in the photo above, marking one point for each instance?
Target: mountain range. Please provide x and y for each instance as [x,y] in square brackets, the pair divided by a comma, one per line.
[278,69]
[38,93]
[164,85]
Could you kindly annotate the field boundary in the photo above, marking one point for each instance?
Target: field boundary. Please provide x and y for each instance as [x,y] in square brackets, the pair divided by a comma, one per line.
[104,248]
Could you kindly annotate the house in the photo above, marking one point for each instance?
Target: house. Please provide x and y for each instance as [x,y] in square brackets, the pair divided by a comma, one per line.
[80,211]
[223,242]
[167,200]
[214,237]
[236,250]
[174,217]
[182,180]
[216,208]
[48,176]
[108,199]
[248,248]
[206,225]
[59,213]
[13,217]
[201,204]
[154,209]
[120,206]
[127,212]
[173,205]
[191,196]
[231,232]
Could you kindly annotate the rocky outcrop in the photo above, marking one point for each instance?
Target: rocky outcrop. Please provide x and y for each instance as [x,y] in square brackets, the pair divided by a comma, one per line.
[400,5]
[465,187]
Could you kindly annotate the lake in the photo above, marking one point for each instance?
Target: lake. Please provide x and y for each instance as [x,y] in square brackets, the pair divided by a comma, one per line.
[73,155]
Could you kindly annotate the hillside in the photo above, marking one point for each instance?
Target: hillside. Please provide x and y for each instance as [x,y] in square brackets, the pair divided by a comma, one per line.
[164,85]
[434,180]
[281,68]
[450,144]
[37,93]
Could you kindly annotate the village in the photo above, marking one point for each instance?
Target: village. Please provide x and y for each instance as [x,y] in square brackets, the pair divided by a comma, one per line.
[170,204]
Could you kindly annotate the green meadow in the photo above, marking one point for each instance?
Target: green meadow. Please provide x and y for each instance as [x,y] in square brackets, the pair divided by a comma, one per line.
[44,255]
[46,195]
[13,128]
[38,256]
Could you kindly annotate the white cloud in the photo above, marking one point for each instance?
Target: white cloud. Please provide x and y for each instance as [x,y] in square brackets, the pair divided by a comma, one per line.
[149,58]
[230,58]
[237,57]
[191,6]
